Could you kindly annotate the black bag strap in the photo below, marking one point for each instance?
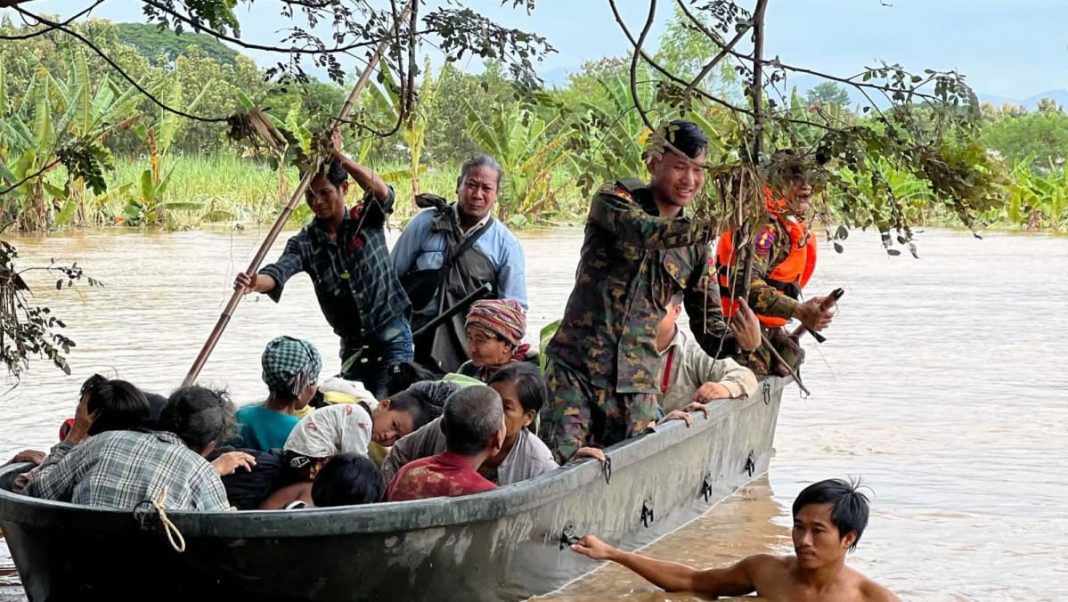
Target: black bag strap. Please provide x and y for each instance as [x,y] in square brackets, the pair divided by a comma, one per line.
[465,245]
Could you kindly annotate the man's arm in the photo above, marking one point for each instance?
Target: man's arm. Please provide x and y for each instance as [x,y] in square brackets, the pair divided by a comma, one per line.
[512,275]
[672,576]
[366,179]
[54,478]
[272,278]
[728,378]
[626,219]
[701,300]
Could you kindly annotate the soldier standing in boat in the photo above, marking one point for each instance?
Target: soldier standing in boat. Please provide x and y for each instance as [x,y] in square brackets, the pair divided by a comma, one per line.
[639,251]
[784,258]
[449,251]
[345,254]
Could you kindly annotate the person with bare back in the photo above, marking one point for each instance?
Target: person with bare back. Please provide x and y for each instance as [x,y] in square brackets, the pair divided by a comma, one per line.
[829,518]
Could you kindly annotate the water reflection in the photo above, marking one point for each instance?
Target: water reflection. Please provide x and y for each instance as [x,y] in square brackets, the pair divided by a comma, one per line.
[941,385]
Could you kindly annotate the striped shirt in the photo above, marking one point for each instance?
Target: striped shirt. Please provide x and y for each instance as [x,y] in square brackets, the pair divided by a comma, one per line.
[122,469]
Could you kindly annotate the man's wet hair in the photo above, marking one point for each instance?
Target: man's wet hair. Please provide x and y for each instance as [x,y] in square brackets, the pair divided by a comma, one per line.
[347,480]
[333,171]
[471,417]
[118,406]
[528,382]
[199,416]
[849,507]
[481,160]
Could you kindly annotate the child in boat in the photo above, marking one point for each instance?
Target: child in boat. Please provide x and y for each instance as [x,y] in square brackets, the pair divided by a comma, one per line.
[290,371]
[522,456]
[474,428]
[345,480]
[494,330]
[353,428]
[688,377]
[829,518]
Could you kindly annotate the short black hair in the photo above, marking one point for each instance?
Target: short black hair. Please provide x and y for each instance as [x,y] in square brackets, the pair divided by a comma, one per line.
[347,480]
[529,385]
[687,137]
[482,160]
[424,400]
[849,507]
[333,171]
[118,406]
[199,416]
[471,417]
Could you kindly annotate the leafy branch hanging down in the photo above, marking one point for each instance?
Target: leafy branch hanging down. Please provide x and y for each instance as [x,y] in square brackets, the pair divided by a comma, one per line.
[924,124]
[27,330]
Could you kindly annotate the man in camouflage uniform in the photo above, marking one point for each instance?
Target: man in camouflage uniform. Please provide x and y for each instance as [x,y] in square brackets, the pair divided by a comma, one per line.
[639,251]
[783,260]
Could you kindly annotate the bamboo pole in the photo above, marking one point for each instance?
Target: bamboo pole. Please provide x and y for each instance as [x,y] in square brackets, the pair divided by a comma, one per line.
[294,199]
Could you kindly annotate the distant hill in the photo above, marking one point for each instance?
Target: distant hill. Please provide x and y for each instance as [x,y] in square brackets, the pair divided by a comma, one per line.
[165,45]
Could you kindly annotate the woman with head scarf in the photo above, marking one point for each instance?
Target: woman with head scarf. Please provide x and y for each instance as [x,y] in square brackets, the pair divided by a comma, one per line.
[290,371]
[495,329]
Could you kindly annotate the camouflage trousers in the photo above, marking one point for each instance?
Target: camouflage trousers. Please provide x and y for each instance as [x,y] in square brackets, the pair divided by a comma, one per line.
[580,414]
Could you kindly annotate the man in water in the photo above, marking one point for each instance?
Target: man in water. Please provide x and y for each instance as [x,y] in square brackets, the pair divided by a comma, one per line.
[345,254]
[640,250]
[829,518]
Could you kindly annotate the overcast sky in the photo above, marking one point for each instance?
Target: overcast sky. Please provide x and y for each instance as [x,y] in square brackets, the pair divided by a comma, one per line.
[1010,48]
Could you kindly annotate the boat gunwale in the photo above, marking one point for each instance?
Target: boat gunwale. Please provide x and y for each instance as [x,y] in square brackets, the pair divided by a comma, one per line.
[386,517]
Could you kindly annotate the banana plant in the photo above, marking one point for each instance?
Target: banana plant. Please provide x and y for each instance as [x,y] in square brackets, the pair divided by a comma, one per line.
[530,148]
[59,121]
[149,208]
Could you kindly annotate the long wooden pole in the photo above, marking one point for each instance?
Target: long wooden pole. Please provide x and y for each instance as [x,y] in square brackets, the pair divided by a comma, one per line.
[294,199]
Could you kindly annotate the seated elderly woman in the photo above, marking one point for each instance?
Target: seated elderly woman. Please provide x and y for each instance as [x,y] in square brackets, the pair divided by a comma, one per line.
[121,468]
[290,371]
[522,456]
[473,423]
[494,329]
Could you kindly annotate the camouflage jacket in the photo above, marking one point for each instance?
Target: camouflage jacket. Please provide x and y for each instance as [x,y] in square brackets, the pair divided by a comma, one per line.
[770,248]
[632,262]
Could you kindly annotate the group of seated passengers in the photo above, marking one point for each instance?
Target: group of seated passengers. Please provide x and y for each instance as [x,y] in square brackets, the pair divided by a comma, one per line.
[467,433]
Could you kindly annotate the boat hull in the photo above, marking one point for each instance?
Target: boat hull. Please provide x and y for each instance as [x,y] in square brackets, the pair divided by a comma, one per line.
[501,545]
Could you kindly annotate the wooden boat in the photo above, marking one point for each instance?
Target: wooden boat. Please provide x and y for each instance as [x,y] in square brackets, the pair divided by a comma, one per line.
[507,544]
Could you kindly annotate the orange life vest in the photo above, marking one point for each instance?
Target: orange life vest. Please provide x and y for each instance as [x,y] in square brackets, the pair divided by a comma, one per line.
[789,276]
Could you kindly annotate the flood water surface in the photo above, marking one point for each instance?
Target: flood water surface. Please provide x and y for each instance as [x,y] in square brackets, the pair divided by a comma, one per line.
[941,385]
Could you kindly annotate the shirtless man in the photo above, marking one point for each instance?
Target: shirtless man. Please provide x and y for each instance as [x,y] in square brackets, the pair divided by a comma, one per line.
[829,518]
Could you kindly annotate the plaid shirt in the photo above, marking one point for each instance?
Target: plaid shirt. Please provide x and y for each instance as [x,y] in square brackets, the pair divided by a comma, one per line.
[121,469]
[354,280]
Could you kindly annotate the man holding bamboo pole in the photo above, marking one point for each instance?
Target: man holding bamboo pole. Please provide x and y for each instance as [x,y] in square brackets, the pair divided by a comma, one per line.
[345,254]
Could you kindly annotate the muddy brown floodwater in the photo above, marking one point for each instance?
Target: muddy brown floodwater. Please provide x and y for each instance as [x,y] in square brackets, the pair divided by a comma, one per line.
[942,385]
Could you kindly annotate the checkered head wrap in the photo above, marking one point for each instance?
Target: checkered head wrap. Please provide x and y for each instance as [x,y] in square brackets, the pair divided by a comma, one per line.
[502,317]
[290,365]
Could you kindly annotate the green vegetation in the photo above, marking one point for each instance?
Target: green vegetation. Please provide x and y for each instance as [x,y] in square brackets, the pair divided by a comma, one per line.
[556,145]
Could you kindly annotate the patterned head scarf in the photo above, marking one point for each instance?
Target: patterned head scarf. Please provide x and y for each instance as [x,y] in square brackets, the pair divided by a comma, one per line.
[502,317]
[290,365]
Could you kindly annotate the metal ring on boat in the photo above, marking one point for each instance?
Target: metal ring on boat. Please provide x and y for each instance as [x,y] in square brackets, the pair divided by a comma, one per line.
[606,466]
[568,537]
[750,464]
[767,394]
[706,487]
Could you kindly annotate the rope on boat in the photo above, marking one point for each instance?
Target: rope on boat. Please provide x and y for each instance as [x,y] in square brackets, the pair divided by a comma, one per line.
[174,536]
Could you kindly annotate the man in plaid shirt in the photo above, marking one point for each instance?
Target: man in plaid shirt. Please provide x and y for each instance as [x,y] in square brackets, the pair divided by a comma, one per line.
[345,254]
[122,469]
